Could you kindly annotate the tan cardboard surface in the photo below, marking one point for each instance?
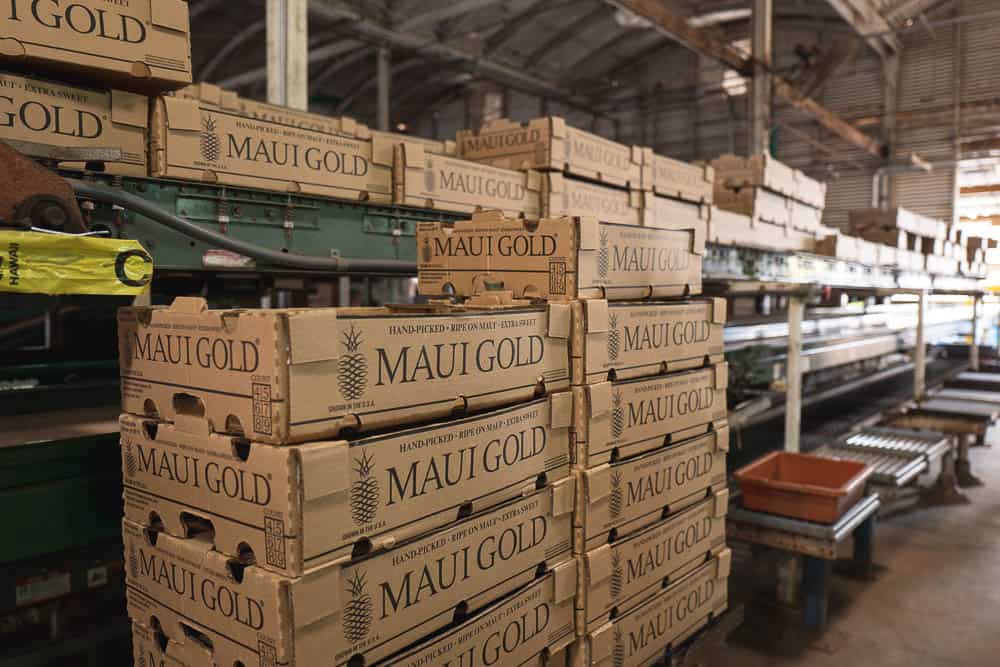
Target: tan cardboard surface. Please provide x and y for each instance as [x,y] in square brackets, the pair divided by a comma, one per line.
[624,574]
[760,204]
[558,259]
[384,145]
[736,229]
[550,144]
[372,607]
[762,170]
[633,493]
[301,506]
[529,628]
[667,213]
[568,196]
[680,180]
[642,636]
[281,376]
[627,340]
[901,219]
[636,416]
[441,182]
[136,45]
[238,142]
[42,112]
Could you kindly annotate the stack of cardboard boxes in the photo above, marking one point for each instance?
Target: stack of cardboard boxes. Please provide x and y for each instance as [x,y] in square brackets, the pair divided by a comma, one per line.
[762,202]
[909,241]
[348,486]
[649,430]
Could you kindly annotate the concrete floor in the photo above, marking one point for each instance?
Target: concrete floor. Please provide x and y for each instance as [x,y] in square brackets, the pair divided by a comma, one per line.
[935,600]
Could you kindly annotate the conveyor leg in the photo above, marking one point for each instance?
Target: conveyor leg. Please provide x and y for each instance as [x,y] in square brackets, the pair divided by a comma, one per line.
[963,467]
[974,348]
[864,548]
[945,489]
[816,576]
[789,579]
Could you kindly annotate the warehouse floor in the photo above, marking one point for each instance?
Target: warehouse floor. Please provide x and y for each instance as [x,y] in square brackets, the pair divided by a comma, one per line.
[934,601]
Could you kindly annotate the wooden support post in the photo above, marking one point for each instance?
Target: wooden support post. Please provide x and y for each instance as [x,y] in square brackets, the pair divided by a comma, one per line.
[760,98]
[974,348]
[920,351]
[288,53]
[793,373]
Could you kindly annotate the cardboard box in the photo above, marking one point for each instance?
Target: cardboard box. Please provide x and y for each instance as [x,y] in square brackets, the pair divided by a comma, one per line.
[735,229]
[285,376]
[558,259]
[295,508]
[627,340]
[898,219]
[760,204]
[630,494]
[221,138]
[644,635]
[666,213]
[762,170]
[42,112]
[371,607]
[550,144]
[617,577]
[614,420]
[385,145]
[805,217]
[563,196]
[444,183]
[667,177]
[142,46]
[530,628]
[941,266]
[849,248]
[890,236]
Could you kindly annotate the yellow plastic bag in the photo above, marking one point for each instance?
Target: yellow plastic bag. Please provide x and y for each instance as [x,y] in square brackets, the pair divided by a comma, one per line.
[38,263]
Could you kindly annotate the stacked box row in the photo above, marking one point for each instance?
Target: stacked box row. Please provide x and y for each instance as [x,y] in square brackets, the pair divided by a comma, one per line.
[339,485]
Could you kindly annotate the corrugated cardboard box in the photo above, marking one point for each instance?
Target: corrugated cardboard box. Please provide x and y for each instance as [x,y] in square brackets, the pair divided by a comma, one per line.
[294,508]
[643,636]
[760,204]
[849,248]
[558,259]
[899,219]
[617,577]
[636,416]
[282,376]
[762,170]
[941,266]
[630,494]
[441,182]
[562,196]
[385,145]
[666,213]
[626,340]
[221,138]
[735,229]
[370,608]
[143,46]
[42,112]
[672,178]
[532,627]
[550,144]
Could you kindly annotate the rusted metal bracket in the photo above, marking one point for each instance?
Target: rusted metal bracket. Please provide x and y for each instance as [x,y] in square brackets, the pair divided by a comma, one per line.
[34,196]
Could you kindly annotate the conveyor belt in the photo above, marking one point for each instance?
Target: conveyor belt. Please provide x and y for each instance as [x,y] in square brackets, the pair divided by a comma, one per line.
[897,456]
[975,381]
[974,395]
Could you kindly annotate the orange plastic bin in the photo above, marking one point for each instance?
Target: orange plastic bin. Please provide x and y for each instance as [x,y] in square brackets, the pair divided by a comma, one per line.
[812,488]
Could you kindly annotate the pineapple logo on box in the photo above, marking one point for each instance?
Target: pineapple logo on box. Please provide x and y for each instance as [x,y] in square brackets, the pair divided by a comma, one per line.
[665,478]
[218,478]
[614,338]
[656,630]
[603,256]
[365,491]
[358,610]
[131,465]
[617,415]
[217,596]
[80,19]
[618,653]
[352,367]
[251,146]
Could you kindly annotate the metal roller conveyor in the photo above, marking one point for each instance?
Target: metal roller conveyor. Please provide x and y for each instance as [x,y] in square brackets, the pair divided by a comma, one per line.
[897,456]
